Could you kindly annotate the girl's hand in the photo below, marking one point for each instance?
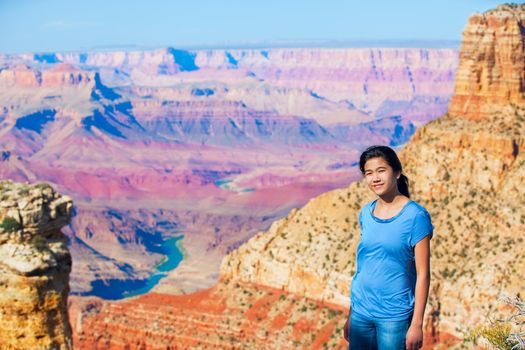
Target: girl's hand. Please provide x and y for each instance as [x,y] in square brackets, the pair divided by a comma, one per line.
[414,338]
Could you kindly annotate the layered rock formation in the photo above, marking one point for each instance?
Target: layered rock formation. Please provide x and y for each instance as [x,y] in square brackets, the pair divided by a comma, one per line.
[227,316]
[328,85]
[35,267]
[61,75]
[466,168]
[491,73]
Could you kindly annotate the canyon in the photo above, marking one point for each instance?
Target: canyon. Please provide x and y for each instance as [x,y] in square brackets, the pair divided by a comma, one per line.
[207,147]
[293,278]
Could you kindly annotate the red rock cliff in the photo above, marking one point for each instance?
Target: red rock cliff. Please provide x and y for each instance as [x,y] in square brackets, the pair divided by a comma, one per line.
[491,72]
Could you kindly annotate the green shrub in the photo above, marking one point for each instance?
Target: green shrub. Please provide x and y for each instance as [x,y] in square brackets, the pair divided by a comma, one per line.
[40,243]
[43,185]
[499,332]
[9,224]
[496,334]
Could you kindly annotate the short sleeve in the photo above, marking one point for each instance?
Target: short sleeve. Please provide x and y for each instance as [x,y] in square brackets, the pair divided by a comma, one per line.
[422,227]
[361,219]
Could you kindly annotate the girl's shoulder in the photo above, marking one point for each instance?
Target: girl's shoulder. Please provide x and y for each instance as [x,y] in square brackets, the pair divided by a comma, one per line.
[366,206]
[417,208]
[419,216]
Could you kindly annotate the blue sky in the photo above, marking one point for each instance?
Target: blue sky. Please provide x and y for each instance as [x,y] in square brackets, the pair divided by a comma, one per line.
[69,25]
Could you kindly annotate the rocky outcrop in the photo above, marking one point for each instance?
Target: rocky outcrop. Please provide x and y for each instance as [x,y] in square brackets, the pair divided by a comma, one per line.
[35,267]
[60,75]
[467,168]
[309,252]
[491,73]
[227,316]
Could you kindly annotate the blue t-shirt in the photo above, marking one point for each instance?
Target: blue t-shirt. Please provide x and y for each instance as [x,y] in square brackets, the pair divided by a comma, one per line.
[384,284]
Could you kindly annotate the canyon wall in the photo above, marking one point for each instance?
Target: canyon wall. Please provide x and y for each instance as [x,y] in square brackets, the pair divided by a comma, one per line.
[491,72]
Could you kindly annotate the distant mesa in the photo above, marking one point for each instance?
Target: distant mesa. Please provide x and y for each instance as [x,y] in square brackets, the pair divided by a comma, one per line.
[54,76]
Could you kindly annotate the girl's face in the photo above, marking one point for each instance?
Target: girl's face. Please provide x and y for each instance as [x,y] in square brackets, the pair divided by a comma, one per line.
[380,176]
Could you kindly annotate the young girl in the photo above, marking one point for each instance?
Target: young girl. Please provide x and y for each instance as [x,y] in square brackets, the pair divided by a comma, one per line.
[390,287]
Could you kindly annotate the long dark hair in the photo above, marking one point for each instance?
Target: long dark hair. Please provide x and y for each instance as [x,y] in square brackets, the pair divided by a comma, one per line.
[390,156]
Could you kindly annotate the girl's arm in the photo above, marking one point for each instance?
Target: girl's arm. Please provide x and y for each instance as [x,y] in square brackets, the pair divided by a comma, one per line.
[422,255]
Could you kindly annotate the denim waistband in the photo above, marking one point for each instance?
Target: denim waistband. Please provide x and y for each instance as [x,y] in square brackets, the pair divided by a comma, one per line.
[381,319]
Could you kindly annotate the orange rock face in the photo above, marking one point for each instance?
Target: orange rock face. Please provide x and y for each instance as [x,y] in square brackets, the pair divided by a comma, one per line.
[227,316]
[34,269]
[491,72]
[61,75]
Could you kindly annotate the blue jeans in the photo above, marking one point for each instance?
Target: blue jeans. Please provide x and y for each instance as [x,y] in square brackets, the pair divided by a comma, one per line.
[370,334]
